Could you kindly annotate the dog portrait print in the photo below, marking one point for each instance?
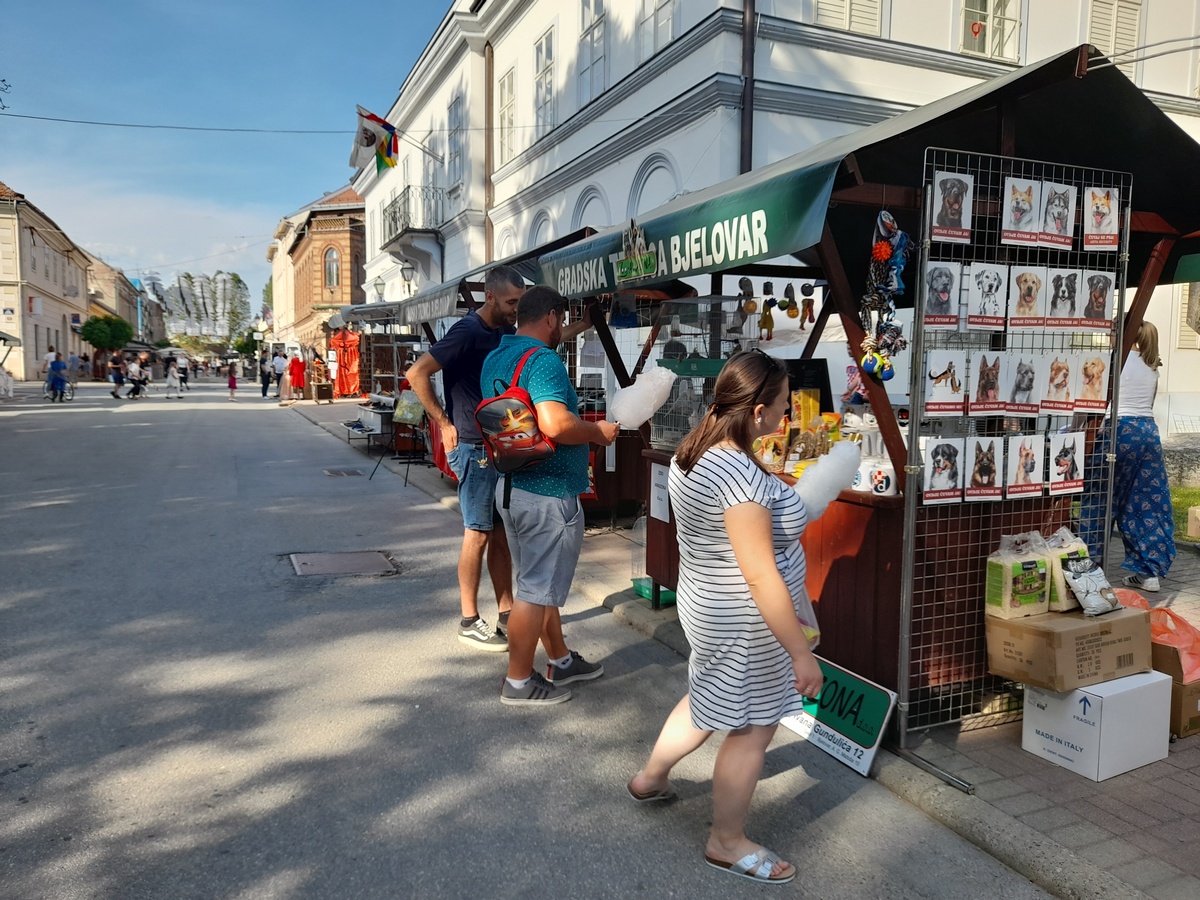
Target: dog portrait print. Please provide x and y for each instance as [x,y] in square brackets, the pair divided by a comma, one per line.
[1064,286]
[954,191]
[1101,215]
[1058,215]
[1097,298]
[942,280]
[1025,296]
[944,384]
[1025,454]
[987,387]
[1024,379]
[942,471]
[983,472]
[1059,394]
[1065,473]
[952,209]
[1021,205]
[1064,462]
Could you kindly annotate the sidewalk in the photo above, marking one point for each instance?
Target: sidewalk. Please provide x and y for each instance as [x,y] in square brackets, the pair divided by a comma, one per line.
[1135,835]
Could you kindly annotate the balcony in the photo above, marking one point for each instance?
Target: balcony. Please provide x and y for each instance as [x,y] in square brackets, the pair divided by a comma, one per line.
[418,208]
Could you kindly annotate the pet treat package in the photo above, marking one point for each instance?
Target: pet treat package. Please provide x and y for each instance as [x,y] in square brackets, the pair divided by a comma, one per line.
[806,406]
[772,449]
[1016,584]
[1090,586]
[1064,546]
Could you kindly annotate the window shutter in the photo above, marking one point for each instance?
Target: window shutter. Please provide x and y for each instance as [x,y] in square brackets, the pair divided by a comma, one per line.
[1189,318]
[1125,30]
[1100,25]
[864,16]
[832,13]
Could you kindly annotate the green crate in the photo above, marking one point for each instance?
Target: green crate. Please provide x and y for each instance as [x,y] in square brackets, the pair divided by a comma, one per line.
[694,368]
[644,588]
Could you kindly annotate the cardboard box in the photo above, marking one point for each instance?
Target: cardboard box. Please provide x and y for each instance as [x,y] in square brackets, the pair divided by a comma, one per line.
[1165,658]
[1064,651]
[1185,708]
[1102,730]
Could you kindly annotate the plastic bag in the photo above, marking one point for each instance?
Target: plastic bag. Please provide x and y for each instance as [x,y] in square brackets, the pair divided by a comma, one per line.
[1017,574]
[1063,545]
[634,405]
[1172,630]
[408,409]
[1090,586]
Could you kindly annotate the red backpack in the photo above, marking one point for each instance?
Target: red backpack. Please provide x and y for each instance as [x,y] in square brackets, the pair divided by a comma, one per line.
[509,425]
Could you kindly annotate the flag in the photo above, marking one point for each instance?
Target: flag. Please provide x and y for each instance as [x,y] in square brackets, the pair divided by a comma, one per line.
[375,139]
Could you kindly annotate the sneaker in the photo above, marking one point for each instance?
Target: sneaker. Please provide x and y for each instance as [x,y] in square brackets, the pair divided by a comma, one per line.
[579,669]
[537,692]
[1142,582]
[480,634]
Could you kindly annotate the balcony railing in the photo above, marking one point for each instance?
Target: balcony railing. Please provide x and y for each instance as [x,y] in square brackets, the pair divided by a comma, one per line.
[416,208]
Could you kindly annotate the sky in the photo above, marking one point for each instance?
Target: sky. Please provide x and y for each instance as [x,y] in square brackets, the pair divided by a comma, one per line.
[171,201]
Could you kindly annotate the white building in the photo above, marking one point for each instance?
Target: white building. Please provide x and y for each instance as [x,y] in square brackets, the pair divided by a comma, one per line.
[524,120]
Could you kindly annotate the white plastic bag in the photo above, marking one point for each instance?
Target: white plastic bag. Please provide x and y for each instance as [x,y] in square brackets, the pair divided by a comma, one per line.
[1090,586]
[634,405]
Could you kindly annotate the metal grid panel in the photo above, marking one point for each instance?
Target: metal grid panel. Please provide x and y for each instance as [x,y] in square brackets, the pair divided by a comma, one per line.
[943,647]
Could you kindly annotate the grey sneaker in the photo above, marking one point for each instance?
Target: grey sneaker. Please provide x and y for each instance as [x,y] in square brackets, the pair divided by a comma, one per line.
[1142,582]
[480,635]
[578,670]
[537,692]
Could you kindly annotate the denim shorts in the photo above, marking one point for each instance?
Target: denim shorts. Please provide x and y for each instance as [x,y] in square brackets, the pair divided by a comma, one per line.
[476,485]
[545,536]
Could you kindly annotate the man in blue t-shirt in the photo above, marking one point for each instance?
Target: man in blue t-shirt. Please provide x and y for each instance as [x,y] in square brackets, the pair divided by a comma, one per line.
[543,518]
[459,357]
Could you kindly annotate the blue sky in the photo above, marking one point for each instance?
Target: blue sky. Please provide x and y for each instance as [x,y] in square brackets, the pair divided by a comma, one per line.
[154,200]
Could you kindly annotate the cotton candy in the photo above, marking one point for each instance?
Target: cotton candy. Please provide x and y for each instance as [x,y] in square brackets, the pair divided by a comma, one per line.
[825,479]
[632,406]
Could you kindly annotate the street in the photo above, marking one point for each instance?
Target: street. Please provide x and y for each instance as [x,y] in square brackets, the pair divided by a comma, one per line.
[183,716]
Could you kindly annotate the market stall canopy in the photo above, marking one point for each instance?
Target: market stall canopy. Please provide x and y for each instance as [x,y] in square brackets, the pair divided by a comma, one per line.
[1044,111]
[8,340]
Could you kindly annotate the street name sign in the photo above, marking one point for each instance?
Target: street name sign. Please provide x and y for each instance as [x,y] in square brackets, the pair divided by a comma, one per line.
[848,719]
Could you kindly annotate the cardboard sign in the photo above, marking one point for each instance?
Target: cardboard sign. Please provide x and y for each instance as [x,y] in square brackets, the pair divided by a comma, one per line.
[848,719]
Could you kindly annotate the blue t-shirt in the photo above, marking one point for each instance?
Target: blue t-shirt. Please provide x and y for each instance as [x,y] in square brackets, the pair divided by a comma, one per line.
[460,354]
[565,474]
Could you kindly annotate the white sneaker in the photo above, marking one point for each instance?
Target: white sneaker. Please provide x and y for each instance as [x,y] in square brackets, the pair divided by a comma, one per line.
[1145,583]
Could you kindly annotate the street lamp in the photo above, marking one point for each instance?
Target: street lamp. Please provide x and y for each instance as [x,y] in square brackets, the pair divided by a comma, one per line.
[407,270]
[379,284]
[260,326]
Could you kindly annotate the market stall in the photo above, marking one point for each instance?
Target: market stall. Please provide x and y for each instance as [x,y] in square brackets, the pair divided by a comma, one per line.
[900,579]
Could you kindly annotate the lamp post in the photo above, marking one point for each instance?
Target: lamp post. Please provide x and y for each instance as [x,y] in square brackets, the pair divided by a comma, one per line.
[260,326]
[407,270]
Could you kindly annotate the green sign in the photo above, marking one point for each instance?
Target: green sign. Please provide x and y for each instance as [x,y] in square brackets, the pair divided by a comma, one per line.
[637,267]
[848,718]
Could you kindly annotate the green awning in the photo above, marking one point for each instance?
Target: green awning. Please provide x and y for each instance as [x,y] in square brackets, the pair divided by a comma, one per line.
[1188,269]
[773,211]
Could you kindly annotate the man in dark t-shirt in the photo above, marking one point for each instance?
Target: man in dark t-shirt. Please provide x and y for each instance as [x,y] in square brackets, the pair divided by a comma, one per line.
[459,357]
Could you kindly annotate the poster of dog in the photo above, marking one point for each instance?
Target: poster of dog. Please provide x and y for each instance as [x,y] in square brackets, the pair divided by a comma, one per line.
[1065,475]
[943,284]
[987,296]
[1023,388]
[987,378]
[1097,291]
[1021,210]
[1101,218]
[1058,215]
[1061,380]
[1026,465]
[1094,366]
[985,475]
[1026,292]
[1062,298]
[943,475]
[953,193]
[945,382]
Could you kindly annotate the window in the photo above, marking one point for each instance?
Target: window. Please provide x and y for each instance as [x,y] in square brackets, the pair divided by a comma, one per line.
[859,16]
[373,233]
[454,147]
[1190,300]
[331,267]
[656,26]
[543,88]
[591,52]
[991,28]
[1113,28]
[506,118]
[32,254]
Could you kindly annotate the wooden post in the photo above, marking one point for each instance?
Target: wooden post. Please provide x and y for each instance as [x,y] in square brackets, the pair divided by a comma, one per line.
[1141,299]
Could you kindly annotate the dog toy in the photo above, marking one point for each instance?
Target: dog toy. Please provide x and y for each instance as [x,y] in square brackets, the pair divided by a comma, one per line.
[884,335]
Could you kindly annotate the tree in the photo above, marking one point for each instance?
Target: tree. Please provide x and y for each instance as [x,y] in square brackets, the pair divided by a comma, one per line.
[106,332]
[216,306]
[268,294]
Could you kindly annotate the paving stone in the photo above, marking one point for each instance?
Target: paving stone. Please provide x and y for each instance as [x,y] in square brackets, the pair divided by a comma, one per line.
[998,763]
[1145,873]
[1090,812]
[998,790]
[977,775]
[1075,836]
[1188,758]
[1169,795]
[1110,853]
[1020,804]
[1122,810]
[1047,820]
[1185,888]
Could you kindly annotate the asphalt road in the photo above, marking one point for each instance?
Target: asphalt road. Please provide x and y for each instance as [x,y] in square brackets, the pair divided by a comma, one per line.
[182,716]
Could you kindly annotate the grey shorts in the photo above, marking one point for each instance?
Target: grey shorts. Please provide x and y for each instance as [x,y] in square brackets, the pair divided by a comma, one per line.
[545,536]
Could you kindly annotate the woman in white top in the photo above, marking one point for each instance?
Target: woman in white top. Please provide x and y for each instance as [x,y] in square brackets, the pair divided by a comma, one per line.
[741,609]
[1141,495]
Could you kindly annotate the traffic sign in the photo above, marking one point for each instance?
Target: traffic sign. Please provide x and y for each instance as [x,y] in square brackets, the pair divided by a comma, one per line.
[847,720]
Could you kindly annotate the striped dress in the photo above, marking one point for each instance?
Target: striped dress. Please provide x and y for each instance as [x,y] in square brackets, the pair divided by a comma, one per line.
[738,673]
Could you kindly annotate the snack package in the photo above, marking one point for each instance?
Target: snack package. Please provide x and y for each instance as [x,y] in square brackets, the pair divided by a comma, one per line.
[1017,577]
[1090,586]
[806,405]
[772,449]
[1064,545]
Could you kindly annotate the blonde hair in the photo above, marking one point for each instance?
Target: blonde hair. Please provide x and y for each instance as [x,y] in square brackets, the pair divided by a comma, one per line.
[1147,344]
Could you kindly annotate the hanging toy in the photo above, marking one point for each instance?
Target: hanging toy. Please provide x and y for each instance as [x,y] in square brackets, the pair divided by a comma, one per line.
[884,336]
[793,312]
[806,305]
[750,307]
[766,322]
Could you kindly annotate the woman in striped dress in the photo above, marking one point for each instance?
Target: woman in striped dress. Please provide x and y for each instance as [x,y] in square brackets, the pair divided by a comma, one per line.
[743,610]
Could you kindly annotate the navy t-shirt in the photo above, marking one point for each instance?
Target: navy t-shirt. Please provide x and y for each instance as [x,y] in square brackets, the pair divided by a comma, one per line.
[461,354]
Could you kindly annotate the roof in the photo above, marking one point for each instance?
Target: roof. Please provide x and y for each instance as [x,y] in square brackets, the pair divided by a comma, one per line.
[7,193]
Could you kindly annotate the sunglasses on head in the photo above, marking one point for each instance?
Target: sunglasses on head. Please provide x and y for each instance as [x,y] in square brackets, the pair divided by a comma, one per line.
[771,370]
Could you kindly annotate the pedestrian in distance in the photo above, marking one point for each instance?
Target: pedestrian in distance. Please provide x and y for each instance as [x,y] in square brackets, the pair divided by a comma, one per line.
[48,357]
[232,383]
[265,373]
[183,377]
[133,375]
[1141,493]
[459,357]
[173,381]
[745,612]
[57,379]
[279,365]
[543,518]
[74,367]
[116,374]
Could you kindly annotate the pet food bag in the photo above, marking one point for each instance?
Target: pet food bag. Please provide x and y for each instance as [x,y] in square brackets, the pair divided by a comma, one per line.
[1090,586]
[1064,545]
[1017,577]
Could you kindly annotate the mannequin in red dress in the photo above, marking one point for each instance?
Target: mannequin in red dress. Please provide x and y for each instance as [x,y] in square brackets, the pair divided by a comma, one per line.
[296,372]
